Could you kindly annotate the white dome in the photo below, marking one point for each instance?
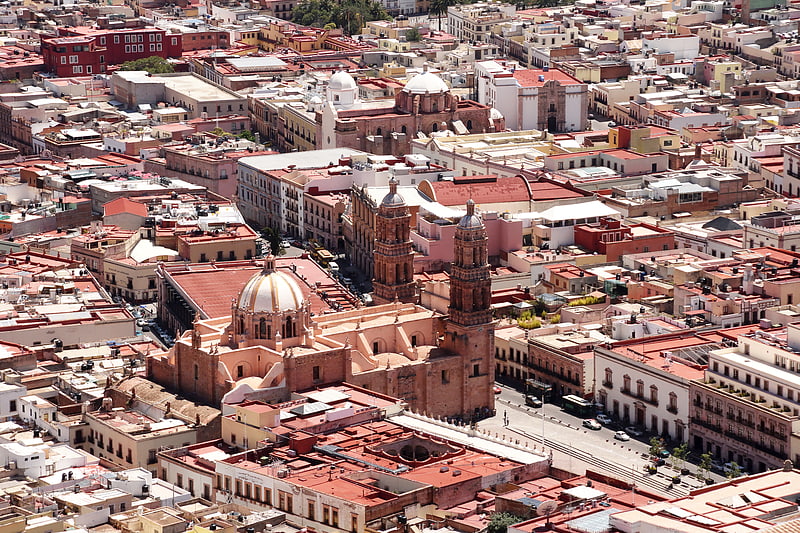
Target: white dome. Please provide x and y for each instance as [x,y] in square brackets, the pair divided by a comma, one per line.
[342,81]
[426,83]
[270,292]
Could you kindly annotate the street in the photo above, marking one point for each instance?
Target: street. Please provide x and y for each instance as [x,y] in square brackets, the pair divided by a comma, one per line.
[598,450]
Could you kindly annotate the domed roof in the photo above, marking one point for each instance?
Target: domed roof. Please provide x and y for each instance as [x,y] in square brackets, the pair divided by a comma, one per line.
[470,221]
[426,83]
[342,81]
[270,291]
[394,198]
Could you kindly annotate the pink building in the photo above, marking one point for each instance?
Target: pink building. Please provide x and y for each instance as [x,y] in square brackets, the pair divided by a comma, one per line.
[433,240]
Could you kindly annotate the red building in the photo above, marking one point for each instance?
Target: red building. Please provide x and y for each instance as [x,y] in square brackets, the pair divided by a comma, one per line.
[84,50]
[612,238]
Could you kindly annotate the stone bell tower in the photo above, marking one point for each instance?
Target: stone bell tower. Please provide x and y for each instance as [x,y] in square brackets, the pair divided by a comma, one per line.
[470,329]
[393,254]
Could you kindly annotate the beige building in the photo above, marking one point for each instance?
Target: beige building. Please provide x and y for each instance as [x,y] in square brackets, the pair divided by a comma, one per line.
[127,439]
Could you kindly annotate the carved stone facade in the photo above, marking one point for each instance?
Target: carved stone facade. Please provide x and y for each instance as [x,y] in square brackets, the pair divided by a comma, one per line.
[394,255]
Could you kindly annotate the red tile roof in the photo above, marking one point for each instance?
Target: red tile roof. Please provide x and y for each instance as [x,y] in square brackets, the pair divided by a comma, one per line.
[124,205]
[482,189]
[531,77]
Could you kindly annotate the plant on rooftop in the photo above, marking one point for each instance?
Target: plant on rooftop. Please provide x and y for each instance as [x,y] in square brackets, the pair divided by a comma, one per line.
[586,300]
[555,319]
[499,522]
[152,64]
[528,320]
[247,135]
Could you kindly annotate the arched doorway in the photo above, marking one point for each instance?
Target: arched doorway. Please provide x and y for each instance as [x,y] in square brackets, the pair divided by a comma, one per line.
[551,123]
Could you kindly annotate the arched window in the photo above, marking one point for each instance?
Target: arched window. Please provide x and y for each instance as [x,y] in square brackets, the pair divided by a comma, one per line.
[262,328]
[404,129]
[626,383]
[379,132]
[288,329]
[434,127]
[653,394]
[609,379]
[469,125]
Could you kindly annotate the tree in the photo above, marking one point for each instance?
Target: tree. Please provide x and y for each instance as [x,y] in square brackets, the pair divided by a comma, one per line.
[438,8]
[248,135]
[413,35]
[273,237]
[350,15]
[680,453]
[705,463]
[499,522]
[734,471]
[656,445]
[152,64]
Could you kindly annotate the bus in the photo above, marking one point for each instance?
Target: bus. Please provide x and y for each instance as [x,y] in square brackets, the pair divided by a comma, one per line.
[577,406]
[536,392]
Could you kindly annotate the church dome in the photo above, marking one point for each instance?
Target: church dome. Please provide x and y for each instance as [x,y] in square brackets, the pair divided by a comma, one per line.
[342,81]
[426,83]
[470,221]
[394,198]
[269,292]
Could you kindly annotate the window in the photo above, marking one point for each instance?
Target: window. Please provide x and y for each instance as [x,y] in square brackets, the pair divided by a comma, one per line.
[73,60]
[626,383]
[63,60]
[116,39]
[445,377]
[476,370]
[102,41]
[174,41]
[315,373]
[375,349]
[240,371]
[609,379]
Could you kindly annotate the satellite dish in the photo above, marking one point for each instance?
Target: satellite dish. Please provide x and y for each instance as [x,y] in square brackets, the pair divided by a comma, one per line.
[547,508]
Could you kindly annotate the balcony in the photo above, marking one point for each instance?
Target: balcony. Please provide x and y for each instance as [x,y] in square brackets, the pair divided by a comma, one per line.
[608,384]
[673,409]
[706,424]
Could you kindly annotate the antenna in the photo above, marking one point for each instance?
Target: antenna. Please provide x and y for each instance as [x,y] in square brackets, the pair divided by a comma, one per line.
[545,509]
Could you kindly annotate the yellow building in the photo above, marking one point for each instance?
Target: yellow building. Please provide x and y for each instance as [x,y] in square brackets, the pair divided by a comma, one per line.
[644,139]
[250,425]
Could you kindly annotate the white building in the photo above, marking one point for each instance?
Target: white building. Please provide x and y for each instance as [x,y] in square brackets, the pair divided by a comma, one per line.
[643,385]
[10,395]
[683,46]
[541,99]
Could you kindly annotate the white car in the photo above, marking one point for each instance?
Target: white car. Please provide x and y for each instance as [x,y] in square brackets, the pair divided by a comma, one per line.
[603,419]
[621,435]
[286,244]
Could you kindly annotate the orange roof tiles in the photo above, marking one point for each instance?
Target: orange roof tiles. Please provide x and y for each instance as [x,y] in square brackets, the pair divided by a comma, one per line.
[482,189]
[537,77]
[124,205]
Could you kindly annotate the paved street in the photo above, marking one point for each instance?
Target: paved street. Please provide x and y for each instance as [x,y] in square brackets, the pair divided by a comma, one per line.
[597,450]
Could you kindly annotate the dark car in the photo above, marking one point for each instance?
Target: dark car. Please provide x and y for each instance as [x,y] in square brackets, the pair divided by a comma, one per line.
[658,461]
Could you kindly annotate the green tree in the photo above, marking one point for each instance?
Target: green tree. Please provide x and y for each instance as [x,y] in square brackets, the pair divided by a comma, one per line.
[152,64]
[350,15]
[273,237]
[705,463]
[248,135]
[680,453]
[413,35]
[734,471]
[656,445]
[499,522]
[438,8]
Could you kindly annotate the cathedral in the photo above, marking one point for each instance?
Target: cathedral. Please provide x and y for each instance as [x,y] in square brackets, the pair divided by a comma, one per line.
[272,344]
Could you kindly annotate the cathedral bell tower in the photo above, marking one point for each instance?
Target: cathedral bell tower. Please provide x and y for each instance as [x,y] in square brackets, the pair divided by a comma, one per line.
[469,331]
[393,254]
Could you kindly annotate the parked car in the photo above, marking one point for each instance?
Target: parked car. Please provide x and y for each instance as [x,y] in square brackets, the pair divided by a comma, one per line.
[621,435]
[285,244]
[664,454]
[603,419]
[658,461]
[533,401]
[633,431]
[728,468]
[497,390]
[591,423]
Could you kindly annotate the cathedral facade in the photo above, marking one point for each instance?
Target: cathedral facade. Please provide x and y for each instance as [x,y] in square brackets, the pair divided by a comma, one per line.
[273,345]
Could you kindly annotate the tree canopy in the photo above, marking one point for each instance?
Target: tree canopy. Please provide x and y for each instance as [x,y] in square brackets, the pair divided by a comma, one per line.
[499,522]
[350,15]
[152,64]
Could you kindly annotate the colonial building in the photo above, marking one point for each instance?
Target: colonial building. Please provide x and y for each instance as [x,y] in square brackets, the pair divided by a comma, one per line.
[272,344]
[424,105]
[394,257]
